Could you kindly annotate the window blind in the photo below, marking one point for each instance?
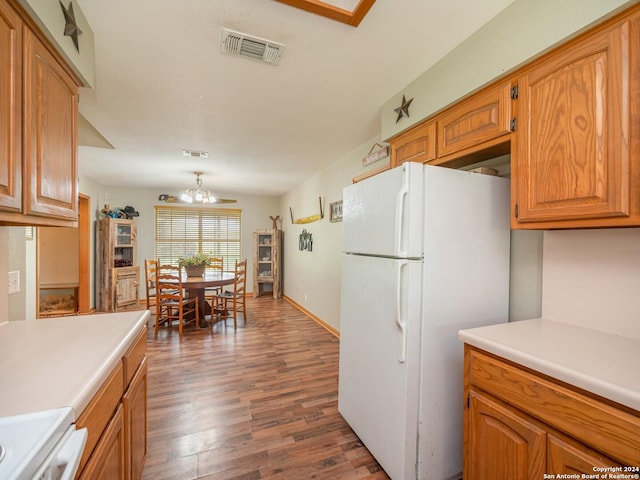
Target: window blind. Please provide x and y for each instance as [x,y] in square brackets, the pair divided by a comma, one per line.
[183,230]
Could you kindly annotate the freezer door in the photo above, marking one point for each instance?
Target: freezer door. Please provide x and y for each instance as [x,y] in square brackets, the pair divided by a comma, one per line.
[382,215]
[379,357]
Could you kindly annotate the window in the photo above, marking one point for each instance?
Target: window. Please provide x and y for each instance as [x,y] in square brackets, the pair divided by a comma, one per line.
[184,230]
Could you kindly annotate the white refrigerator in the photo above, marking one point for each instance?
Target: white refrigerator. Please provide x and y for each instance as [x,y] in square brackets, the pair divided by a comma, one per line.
[426,253]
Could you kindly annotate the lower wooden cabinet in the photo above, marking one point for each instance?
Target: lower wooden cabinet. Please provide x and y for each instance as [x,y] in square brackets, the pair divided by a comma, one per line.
[134,402]
[107,462]
[520,424]
[116,420]
[503,443]
[568,456]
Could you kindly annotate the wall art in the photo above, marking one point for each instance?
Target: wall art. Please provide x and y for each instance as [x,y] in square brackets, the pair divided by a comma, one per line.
[305,241]
[335,211]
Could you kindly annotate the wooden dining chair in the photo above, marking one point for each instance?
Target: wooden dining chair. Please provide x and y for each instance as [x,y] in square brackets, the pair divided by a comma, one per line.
[150,267]
[171,304]
[217,266]
[233,302]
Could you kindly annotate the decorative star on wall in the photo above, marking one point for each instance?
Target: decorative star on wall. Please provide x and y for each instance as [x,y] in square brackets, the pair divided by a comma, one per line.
[71,27]
[403,110]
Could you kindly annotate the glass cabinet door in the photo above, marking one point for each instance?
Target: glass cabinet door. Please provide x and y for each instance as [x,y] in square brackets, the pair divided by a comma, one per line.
[123,234]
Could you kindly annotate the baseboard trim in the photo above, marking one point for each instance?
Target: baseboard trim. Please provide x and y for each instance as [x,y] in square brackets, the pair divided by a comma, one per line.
[313,317]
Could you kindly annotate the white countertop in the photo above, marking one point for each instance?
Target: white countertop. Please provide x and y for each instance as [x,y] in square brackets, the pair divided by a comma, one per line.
[598,362]
[61,362]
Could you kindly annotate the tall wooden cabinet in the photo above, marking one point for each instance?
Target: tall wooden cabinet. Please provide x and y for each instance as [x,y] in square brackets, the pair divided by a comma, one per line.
[267,264]
[38,127]
[117,272]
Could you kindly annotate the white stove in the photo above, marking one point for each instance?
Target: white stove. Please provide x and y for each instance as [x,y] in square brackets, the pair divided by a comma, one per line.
[40,446]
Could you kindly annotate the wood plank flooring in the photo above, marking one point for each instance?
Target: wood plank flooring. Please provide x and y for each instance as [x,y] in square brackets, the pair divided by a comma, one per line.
[259,402]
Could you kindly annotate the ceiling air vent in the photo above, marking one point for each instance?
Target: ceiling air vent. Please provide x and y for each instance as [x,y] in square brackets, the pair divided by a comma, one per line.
[195,154]
[236,43]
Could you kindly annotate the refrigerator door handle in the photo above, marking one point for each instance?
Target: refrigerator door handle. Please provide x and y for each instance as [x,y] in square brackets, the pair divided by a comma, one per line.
[400,321]
[400,206]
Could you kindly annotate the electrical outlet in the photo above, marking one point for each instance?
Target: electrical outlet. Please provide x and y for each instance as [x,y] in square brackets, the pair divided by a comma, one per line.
[14,282]
[305,297]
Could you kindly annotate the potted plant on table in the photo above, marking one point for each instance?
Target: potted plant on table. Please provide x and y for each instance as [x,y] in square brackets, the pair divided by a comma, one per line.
[195,263]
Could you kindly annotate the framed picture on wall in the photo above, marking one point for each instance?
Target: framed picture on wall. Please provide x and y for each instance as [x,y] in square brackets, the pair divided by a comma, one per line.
[335,211]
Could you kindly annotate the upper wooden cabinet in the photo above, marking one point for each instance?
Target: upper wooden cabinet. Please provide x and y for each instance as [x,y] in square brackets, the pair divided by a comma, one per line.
[10,111]
[475,129]
[476,123]
[573,153]
[416,145]
[38,128]
[570,120]
[51,116]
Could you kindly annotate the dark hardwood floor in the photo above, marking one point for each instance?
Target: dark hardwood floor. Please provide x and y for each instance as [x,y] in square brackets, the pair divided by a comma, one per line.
[259,402]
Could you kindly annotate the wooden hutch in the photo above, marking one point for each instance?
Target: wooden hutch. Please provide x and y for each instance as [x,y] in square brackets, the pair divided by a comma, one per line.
[267,263]
[117,275]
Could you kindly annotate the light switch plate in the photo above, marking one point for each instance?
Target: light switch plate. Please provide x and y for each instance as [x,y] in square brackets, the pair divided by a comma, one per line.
[14,282]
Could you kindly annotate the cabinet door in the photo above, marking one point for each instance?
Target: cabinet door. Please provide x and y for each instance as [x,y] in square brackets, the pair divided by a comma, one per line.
[135,422]
[416,145]
[125,282]
[503,443]
[10,109]
[108,461]
[572,158]
[51,105]
[567,456]
[473,124]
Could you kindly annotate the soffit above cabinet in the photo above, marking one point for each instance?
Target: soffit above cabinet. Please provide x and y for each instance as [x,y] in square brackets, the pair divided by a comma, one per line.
[50,17]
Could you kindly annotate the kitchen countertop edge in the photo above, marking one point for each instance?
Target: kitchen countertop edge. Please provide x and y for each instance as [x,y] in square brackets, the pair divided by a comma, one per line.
[84,397]
[535,344]
[63,361]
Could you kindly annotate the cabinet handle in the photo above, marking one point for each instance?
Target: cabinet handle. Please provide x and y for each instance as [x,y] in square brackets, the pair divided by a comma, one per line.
[513,125]
[516,210]
[514,92]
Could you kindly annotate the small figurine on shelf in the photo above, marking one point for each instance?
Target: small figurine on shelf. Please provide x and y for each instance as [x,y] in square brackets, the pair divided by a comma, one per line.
[275,221]
[106,210]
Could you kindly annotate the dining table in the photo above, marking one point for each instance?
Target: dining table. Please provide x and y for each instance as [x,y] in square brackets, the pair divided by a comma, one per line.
[195,287]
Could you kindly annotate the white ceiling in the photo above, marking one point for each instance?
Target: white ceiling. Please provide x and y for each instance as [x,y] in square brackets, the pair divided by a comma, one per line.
[162,85]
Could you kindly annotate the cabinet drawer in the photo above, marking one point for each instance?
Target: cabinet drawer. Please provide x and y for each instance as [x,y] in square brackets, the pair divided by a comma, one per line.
[134,356]
[100,410]
[598,424]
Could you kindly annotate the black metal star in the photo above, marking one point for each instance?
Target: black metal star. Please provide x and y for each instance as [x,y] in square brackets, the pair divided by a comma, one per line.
[71,27]
[403,110]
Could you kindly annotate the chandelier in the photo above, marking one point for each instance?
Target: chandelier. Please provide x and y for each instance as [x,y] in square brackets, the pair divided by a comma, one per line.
[197,194]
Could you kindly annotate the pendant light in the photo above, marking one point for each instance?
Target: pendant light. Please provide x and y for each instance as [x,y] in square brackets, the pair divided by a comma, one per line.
[197,194]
